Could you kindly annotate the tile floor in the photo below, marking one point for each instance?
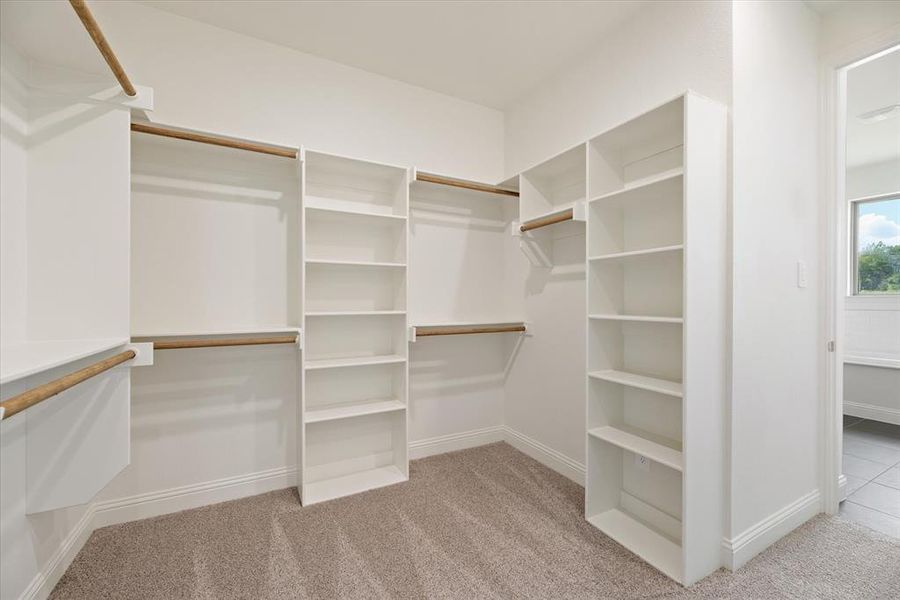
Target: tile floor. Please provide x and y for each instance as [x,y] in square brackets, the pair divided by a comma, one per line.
[872,468]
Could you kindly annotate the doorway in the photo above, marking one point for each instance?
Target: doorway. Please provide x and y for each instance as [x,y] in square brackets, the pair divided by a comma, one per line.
[862,463]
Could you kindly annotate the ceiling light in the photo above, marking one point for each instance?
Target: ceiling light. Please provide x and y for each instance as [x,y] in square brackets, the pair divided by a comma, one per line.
[880,114]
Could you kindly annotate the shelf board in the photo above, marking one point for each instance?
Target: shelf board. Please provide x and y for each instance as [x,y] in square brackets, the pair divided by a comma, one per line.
[626,440]
[30,358]
[656,549]
[334,363]
[641,318]
[312,203]
[666,177]
[635,253]
[355,263]
[328,489]
[215,332]
[352,313]
[653,384]
[356,409]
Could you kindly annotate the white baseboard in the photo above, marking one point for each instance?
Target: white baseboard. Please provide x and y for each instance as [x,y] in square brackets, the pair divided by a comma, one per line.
[842,487]
[47,578]
[737,551]
[455,441]
[872,411]
[545,455]
[163,502]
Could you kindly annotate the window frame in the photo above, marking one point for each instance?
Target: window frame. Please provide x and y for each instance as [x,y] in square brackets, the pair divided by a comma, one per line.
[854,291]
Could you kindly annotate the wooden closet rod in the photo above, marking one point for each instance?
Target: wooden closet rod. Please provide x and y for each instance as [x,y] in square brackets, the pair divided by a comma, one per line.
[93,29]
[217,343]
[469,185]
[215,140]
[36,395]
[467,329]
[566,215]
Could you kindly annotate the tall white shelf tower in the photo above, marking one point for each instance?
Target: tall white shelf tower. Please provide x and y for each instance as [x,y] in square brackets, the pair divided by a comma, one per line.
[656,323]
[354,381]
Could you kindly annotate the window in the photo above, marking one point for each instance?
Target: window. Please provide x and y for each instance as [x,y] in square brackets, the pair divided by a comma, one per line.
[876,246]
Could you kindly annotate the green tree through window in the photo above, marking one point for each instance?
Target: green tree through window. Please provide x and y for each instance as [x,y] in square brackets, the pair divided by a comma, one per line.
[878,246]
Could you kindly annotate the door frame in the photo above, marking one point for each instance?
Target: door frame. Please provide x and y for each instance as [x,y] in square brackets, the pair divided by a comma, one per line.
[833,102]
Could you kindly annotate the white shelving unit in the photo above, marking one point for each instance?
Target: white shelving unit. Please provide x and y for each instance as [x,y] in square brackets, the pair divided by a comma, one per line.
[353,430]
[553,186]
[656,300]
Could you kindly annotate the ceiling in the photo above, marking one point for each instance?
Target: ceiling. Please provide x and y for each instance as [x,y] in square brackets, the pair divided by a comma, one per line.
[489,52]
[871,86]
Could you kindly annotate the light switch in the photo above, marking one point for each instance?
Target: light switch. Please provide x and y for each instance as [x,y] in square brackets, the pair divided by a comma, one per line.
[802,281]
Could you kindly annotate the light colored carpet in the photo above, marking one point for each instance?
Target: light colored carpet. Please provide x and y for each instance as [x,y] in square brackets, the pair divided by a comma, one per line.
[482,523]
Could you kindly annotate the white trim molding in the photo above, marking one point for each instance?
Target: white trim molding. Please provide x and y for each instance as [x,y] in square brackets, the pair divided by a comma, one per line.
[164,502]
[740,549]
[872,361]
[874,412]
[455,441]
[547,456]
[48,576]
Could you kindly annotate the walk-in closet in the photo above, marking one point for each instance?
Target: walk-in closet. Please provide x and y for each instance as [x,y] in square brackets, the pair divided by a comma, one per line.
[423,300]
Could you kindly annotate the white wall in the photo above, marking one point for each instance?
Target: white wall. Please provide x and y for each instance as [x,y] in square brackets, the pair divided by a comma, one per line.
[209,78]
[13,186]
[777,219]
[854,21]
[459,271]
[667,48]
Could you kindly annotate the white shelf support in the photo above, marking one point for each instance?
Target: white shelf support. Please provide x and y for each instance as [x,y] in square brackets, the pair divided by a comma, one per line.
[143,354]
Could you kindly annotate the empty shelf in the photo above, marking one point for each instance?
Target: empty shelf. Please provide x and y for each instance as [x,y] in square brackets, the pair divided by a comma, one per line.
[654,384]
[354,263]
[661,179]
[658,550]
[333,363]
[354,483]
[29,358]
[635,253]
[656,452]
[312,203]
[641,318]
[352,313]
[358,409]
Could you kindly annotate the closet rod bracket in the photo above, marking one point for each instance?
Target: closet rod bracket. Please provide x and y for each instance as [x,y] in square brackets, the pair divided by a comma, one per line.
[143,352]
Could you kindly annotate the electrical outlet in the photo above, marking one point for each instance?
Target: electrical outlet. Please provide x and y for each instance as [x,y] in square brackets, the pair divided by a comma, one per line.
[642,463]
